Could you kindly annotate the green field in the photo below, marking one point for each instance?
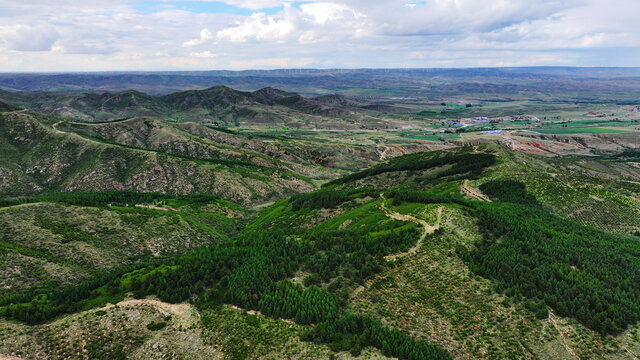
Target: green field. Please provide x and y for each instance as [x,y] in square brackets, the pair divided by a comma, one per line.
[593,130]
[436,137]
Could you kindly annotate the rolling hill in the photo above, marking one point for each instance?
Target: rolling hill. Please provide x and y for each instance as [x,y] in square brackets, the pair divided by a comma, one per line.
[39,157]
[219,105]
[135,226]
[65,238]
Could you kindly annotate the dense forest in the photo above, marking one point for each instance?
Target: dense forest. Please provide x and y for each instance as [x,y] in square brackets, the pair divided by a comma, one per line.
[327,198]
[578,271]
[458,163]
[353,332]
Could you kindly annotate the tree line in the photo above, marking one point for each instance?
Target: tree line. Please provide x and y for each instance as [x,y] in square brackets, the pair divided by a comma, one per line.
[353,332]
[464,162]
[110,197]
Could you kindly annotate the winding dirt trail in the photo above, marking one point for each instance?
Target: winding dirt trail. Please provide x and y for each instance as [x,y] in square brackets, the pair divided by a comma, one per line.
[428,229]
[56,129]
[383,154]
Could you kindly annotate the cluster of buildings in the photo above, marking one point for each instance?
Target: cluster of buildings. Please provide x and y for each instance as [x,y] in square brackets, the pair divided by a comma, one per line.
[486,120]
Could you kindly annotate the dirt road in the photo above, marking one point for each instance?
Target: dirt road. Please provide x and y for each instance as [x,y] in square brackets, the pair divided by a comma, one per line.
[428,229]
[473,193]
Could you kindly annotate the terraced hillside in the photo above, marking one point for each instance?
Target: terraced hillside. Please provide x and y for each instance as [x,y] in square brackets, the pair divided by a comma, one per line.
[63,238]
[593,192]
[37,156]
[196,141]
[460,253]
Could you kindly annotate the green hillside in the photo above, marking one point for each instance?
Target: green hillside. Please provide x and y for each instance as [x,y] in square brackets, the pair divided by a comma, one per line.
[461,253]
[4,107]
[37,157]
[195,141]
[62,238]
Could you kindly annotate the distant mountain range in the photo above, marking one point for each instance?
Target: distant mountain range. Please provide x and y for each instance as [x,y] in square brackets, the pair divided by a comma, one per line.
[218,105]
[542,83]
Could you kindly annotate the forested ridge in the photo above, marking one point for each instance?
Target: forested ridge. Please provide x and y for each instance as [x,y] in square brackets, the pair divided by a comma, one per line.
[462,163]
[576,270]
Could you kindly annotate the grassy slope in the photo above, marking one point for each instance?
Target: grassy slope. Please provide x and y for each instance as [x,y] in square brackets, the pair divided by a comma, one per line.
[199,142]
[433,295]
[46,243]
[598,193]
[119,332]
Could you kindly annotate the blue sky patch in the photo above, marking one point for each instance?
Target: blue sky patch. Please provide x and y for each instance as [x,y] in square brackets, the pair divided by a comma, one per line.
[414,3]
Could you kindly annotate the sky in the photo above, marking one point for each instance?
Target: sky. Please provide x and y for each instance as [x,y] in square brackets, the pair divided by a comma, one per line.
[156,35]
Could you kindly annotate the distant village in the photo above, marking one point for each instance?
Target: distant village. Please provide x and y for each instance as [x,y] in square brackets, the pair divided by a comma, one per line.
[487,120]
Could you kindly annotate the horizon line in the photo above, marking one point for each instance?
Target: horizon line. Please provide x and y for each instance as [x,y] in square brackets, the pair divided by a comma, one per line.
[321,69]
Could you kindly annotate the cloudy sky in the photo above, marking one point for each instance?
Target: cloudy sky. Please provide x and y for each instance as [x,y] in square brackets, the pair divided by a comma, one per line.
[107,35]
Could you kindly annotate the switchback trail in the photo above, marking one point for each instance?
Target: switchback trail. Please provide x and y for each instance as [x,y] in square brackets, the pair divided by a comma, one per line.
[428,229]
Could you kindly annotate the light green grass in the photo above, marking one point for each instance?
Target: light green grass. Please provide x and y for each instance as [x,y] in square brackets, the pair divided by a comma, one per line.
[593,130]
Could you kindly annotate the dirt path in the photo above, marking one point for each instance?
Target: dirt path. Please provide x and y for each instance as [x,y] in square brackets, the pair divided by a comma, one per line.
[56,129]
[383,155]
[473,193]
[428,229]
[257,312]
[166,208]
[552,319]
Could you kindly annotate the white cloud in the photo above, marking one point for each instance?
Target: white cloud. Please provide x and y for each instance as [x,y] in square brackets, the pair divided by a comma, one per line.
[313,22]
[27,38]
[65,35]
[205,35]
[322,12]
[253,4]
[258,27]
[203,55]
